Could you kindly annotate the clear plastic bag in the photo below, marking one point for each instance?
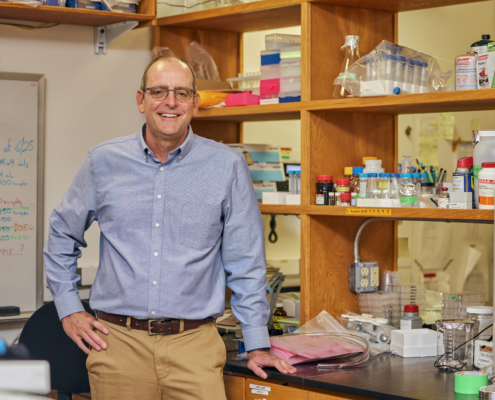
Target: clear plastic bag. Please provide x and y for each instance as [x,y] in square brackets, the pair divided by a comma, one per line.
[323,322]
[202,62]
[393,69]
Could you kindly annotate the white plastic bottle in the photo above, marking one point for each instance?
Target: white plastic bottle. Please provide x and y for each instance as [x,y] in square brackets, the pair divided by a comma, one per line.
[484,151]
[487,186]
[373,166]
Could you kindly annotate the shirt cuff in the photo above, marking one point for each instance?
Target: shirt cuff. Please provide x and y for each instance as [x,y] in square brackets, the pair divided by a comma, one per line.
[255,337]
[68,304]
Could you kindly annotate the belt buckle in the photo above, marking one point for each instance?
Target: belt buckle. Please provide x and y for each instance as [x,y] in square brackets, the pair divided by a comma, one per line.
[150,321]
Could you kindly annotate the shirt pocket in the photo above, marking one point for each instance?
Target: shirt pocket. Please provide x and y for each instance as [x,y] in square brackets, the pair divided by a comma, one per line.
[200,225]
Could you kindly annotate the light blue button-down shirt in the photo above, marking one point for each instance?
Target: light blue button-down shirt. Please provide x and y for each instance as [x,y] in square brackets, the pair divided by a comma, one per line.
[172,235]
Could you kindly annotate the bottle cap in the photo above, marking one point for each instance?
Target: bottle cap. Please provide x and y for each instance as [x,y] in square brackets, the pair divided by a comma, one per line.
[486,37]
[364,175]
[343,181]
[373,162]
[348,171]
[3,347]
[444,189]
[324,178]
[411,308]
[397,90]
[372,174]
[407,175]
[383,175]
[427,184]
[465,162]
[345,196]
[389,56]
[488,165]
[368,158]
[357,170]
[479,310]
[280,305]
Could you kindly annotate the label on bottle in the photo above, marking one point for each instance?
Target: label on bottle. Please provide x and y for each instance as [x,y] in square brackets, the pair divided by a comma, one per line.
[486,192]
[362,189]
[458,183]
[476,171]
[343,189]
[405,324]
[320,199]
[443,202]
[277,318]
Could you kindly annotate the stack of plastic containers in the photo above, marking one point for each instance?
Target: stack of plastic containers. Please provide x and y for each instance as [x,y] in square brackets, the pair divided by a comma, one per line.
[455,304]
[270,83]
[414,294]
[290,74]
[381,305]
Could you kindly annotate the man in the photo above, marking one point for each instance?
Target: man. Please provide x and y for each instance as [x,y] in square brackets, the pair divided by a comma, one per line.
[178,219]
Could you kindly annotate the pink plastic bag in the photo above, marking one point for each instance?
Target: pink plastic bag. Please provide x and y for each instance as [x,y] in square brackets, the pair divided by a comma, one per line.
[296,349]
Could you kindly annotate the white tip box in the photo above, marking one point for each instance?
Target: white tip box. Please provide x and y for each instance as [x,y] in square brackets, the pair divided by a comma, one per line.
[414,343]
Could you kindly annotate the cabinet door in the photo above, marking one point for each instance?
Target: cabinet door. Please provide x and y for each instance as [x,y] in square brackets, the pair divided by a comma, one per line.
[234,387]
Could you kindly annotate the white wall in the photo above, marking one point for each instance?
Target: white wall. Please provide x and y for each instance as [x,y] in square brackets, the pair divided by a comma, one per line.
[89,99]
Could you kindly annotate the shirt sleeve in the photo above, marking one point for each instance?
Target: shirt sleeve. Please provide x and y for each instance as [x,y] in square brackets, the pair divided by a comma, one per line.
[68,222]
[243,256]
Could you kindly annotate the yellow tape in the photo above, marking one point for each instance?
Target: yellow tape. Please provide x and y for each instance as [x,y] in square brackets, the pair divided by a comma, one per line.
[368,211]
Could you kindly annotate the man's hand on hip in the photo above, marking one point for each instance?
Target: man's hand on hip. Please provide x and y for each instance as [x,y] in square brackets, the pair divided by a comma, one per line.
[260,359]
[80,325]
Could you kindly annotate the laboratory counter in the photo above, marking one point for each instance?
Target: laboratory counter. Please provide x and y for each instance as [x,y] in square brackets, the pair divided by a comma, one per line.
[383,377]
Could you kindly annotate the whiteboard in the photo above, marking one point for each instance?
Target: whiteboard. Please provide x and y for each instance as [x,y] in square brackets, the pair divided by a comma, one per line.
[21,190]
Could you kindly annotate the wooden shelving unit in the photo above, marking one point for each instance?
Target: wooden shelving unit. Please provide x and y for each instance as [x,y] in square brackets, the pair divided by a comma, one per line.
[334,133]
[145,15]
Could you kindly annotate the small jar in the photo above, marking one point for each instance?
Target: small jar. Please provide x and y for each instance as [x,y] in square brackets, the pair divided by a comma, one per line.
[343,186]
[443,199]
[363,185]
[345,199]
[324,186]
[354,199]
[411,318]
[427,189]
[337,199]
[482,316]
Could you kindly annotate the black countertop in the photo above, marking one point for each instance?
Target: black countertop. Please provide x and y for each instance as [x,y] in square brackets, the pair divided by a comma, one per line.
[382,377]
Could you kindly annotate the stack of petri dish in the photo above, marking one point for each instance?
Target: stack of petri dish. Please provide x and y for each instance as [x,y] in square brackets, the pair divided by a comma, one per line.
[381,305]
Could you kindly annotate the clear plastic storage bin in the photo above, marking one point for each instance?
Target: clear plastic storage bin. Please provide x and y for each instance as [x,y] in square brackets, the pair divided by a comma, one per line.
[279,41]
[270,72]
[290,67]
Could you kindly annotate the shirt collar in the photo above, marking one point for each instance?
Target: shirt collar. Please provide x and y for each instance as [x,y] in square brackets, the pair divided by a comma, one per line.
[181,151]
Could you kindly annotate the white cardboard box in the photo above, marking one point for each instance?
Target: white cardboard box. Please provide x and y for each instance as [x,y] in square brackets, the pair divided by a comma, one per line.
[414,342]
[274,197]
[293,199]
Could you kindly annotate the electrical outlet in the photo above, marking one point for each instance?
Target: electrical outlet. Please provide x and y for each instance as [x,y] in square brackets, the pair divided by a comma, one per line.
[364,277]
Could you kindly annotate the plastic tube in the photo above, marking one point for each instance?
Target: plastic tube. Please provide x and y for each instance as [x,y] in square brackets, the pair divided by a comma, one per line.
[389,74]
[406,76]
[368,72]
[399,72]
[424,78]
[416,81]
[371,185]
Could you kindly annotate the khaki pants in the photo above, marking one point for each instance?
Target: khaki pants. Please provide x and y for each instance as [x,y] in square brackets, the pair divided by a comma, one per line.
[136,366]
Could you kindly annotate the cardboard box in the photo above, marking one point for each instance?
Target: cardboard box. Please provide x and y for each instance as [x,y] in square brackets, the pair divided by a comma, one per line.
[274,197]
[293,199]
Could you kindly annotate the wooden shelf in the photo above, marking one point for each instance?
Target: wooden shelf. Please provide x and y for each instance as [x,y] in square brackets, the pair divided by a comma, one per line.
[418,214]
[267,112]
[72,16]
[249,17]
[396,5]
[468,100]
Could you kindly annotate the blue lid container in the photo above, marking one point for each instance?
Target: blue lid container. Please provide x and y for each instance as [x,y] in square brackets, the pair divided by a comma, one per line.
[357,170]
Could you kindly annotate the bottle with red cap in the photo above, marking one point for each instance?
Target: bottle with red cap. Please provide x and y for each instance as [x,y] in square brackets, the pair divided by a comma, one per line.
[462,178]
[411,318]
[324,187]
[345,199]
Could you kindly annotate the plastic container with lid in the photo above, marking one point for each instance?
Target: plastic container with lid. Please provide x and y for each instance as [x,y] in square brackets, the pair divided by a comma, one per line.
[411,318]
[354,185]
[373,166]
[270,72]
[383,185]
[290,68]
[279,41]
[370,191]
[324,186]
[427,189]
[482,316]
[290,84]
[343,186]
[291,53]
[363,185]
[270,57]
[408,191]
[345,199]
[484,151]
[486,186]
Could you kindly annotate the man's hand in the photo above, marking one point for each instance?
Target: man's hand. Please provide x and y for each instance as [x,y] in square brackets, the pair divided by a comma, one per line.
[260,359]
[80,325]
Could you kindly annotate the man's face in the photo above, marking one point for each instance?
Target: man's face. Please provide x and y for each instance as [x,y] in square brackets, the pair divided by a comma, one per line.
[169,118]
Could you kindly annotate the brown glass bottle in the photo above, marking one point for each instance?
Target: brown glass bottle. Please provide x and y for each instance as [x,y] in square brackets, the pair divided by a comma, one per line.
[279,314]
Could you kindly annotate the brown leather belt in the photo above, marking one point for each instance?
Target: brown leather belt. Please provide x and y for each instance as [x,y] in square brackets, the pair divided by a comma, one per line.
[155,326]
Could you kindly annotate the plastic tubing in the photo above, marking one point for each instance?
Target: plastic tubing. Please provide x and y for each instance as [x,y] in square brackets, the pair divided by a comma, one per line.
[351,339]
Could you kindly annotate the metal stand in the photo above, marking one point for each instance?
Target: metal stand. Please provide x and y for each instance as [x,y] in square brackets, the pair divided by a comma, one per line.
[104,35]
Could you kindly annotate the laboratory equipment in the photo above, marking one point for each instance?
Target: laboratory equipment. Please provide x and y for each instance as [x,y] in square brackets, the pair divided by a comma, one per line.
[390,281]
[414,343]
[351,47]
[324,185]
[381,305]
[413,293]
[408,191]
[280,41]
[443,199]
[371,189]
[454,351]
[455,304]
[363,185]
[241,99]
[484,151]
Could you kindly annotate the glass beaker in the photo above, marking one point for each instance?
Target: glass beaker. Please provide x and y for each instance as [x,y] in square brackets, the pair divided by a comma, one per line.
[452,334]
[351,47]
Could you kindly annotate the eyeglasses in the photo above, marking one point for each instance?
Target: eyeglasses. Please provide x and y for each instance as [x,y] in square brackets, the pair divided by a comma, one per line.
[160,93]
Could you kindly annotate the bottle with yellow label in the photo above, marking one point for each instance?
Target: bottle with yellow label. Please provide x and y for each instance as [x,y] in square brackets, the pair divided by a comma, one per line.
[279,314]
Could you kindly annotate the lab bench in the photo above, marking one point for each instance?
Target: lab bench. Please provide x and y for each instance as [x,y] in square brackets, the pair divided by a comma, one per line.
[382,377]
